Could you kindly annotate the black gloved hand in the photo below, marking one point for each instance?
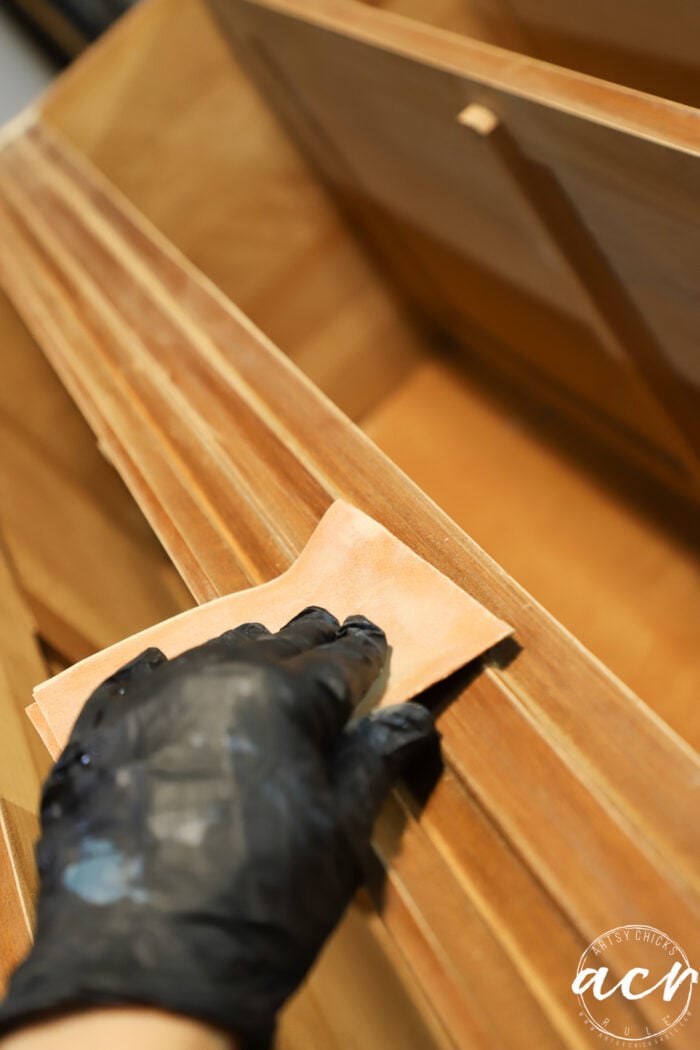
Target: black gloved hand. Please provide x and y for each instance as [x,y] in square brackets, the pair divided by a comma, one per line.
[204,829]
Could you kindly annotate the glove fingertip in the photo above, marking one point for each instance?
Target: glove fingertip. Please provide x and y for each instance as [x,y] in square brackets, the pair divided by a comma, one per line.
[313,612]
[405,720]
[359,623]
[144,661]
[395,734]
[100,705]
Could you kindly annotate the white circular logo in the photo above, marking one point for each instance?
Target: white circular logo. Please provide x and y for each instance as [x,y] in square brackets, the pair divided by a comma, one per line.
[634,985]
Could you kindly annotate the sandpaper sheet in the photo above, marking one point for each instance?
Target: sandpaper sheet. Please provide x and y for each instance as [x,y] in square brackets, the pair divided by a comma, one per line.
[351,564]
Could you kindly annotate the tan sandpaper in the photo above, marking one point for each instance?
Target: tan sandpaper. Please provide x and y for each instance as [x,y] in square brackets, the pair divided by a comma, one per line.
[351,564]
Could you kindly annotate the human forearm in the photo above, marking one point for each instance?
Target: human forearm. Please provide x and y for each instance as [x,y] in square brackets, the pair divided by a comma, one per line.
[113,1028]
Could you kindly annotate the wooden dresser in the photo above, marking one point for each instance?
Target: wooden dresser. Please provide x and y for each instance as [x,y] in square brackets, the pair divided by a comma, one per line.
[257,255]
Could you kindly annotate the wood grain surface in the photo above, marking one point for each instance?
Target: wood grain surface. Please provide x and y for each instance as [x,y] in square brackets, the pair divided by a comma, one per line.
[260,224]
[86,562]
[194,146]
[567,238]
[18,832]
[631,42]
[626,586]
[23,765]
[565,807]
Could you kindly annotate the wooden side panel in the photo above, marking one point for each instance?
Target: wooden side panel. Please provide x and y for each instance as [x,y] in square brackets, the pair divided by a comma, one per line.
[87,582]
[487,20]
[54,427]
[87,564]
[19,830]
[23,760]
[565,806]
[640,43]
[633,42]
[571,249]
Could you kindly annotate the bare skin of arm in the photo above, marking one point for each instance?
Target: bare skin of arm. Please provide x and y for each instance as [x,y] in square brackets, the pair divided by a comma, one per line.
[113,1028]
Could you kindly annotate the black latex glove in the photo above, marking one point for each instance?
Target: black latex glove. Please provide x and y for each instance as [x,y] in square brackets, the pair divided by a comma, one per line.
[204,829]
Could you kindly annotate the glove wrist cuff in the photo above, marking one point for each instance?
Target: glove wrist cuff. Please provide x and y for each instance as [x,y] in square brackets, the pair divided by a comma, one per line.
[38,991]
